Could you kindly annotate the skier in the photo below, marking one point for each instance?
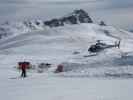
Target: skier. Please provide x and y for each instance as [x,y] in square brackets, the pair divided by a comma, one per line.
[23,67]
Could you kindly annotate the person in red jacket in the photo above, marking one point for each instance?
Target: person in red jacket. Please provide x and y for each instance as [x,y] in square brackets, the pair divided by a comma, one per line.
[23,67]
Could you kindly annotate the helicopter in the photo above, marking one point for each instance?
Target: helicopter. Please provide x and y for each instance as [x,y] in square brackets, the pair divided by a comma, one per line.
[100,46]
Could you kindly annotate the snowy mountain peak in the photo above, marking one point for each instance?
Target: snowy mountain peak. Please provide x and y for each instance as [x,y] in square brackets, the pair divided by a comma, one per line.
[82,16]
[77,16]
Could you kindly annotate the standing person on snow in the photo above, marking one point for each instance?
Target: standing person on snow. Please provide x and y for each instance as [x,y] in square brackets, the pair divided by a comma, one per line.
[23,67]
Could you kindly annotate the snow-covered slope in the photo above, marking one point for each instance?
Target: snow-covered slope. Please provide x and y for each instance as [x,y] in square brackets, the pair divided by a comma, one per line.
[57,45]
[68,45]
[66,40]
[13,28]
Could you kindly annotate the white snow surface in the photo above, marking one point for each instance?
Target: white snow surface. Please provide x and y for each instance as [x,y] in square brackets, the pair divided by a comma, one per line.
[106,76]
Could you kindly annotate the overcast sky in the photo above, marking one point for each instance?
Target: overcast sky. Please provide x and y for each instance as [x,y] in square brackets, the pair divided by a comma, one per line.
[113,12]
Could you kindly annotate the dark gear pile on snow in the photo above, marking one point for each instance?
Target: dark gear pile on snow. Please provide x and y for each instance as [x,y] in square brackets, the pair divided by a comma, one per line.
[43,67]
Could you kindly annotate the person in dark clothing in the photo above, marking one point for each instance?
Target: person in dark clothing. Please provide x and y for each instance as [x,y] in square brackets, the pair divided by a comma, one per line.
[23,67]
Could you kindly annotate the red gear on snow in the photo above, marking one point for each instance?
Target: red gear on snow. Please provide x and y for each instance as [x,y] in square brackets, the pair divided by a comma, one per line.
[59,68]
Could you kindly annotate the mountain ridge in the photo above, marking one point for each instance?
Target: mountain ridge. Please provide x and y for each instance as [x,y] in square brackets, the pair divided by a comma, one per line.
[11,28]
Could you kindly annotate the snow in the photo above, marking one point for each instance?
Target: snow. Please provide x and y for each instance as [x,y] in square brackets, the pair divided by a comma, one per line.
[39,87]
[105,76]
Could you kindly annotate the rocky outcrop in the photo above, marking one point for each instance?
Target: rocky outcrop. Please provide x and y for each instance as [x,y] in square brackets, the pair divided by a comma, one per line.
[53,23]
[77,16]
[102,23]
[82,16]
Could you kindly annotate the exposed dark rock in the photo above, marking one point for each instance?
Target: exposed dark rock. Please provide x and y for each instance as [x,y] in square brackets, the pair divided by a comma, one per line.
[53,23]
[69,20]
[106,31]
[76,52]
[83,16]
[37,22]
[3,32]
[77,16]
[29,24]
[102,23]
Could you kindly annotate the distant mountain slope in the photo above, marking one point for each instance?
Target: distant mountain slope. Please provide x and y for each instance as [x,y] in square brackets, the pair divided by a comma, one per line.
[69,37]
[12,28]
